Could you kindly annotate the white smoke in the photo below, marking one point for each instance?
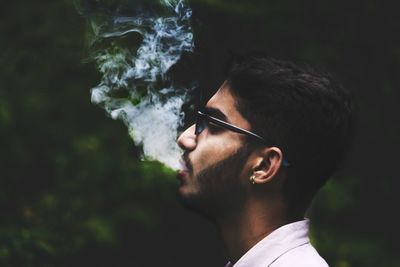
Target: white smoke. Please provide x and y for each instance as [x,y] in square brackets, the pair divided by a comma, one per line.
[151,114]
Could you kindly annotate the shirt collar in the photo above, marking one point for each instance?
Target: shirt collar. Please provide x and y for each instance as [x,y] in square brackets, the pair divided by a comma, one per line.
[275,244]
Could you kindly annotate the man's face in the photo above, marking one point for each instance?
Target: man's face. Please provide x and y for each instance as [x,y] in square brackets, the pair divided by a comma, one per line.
[215,175]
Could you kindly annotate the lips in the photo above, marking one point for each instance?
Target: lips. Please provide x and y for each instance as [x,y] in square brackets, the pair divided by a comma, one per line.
[183,165]
[185,168]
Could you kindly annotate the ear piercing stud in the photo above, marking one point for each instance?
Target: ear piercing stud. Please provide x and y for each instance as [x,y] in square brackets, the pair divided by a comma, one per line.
[252,179]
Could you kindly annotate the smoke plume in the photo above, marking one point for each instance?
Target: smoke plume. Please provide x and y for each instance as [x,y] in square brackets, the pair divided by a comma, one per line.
[134,86]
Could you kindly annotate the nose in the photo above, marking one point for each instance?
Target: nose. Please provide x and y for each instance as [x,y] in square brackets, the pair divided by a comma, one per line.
[187,140]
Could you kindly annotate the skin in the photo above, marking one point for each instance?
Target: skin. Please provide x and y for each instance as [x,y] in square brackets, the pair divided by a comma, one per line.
[215,181]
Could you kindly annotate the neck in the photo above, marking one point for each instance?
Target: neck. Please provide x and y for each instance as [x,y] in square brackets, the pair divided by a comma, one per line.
[242,230]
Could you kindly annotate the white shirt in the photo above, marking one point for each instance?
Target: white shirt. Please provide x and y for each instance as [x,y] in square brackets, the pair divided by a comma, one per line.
[287,246]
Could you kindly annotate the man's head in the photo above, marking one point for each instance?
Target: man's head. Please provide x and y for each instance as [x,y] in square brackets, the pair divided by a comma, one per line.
[214,159]
[303,115]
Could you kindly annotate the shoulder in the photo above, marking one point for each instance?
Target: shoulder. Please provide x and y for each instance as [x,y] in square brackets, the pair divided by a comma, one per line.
[301,256]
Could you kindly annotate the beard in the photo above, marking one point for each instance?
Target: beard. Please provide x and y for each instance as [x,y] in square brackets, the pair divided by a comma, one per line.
[220,190]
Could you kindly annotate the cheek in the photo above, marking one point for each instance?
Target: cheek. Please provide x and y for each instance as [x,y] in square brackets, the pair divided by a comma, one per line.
[212,151]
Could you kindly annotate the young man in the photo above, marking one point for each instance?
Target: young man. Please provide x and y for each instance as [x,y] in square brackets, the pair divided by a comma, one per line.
[261,148]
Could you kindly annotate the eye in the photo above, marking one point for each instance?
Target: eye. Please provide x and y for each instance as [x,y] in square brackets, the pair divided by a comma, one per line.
[213,127]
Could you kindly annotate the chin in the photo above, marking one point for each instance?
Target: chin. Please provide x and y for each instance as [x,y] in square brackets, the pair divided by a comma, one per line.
[187,200]
[182,192]
[192,202]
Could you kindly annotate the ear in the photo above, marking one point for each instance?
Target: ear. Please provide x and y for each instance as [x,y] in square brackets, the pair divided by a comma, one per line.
[267,165]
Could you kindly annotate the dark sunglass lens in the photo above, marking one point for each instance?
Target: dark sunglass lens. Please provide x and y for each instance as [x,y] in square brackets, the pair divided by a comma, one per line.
[200,125]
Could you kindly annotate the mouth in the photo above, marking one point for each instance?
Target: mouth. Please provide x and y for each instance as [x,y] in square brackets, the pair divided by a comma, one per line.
[185,168]
[183,165]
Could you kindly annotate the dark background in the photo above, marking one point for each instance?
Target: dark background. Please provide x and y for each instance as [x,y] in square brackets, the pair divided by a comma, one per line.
[73,191]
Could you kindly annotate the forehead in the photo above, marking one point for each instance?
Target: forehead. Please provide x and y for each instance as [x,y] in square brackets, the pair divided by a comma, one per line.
[225,101]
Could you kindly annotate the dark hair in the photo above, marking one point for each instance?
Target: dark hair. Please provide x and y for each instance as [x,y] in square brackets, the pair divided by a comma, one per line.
[302,110]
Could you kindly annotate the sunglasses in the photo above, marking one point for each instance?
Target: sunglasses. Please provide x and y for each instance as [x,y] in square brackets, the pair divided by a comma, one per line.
[202,120]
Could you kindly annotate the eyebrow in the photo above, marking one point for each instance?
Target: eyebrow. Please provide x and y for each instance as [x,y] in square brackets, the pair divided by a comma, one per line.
[215,112]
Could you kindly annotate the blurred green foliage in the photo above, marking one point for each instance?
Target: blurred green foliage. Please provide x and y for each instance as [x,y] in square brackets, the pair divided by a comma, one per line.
[73,191]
